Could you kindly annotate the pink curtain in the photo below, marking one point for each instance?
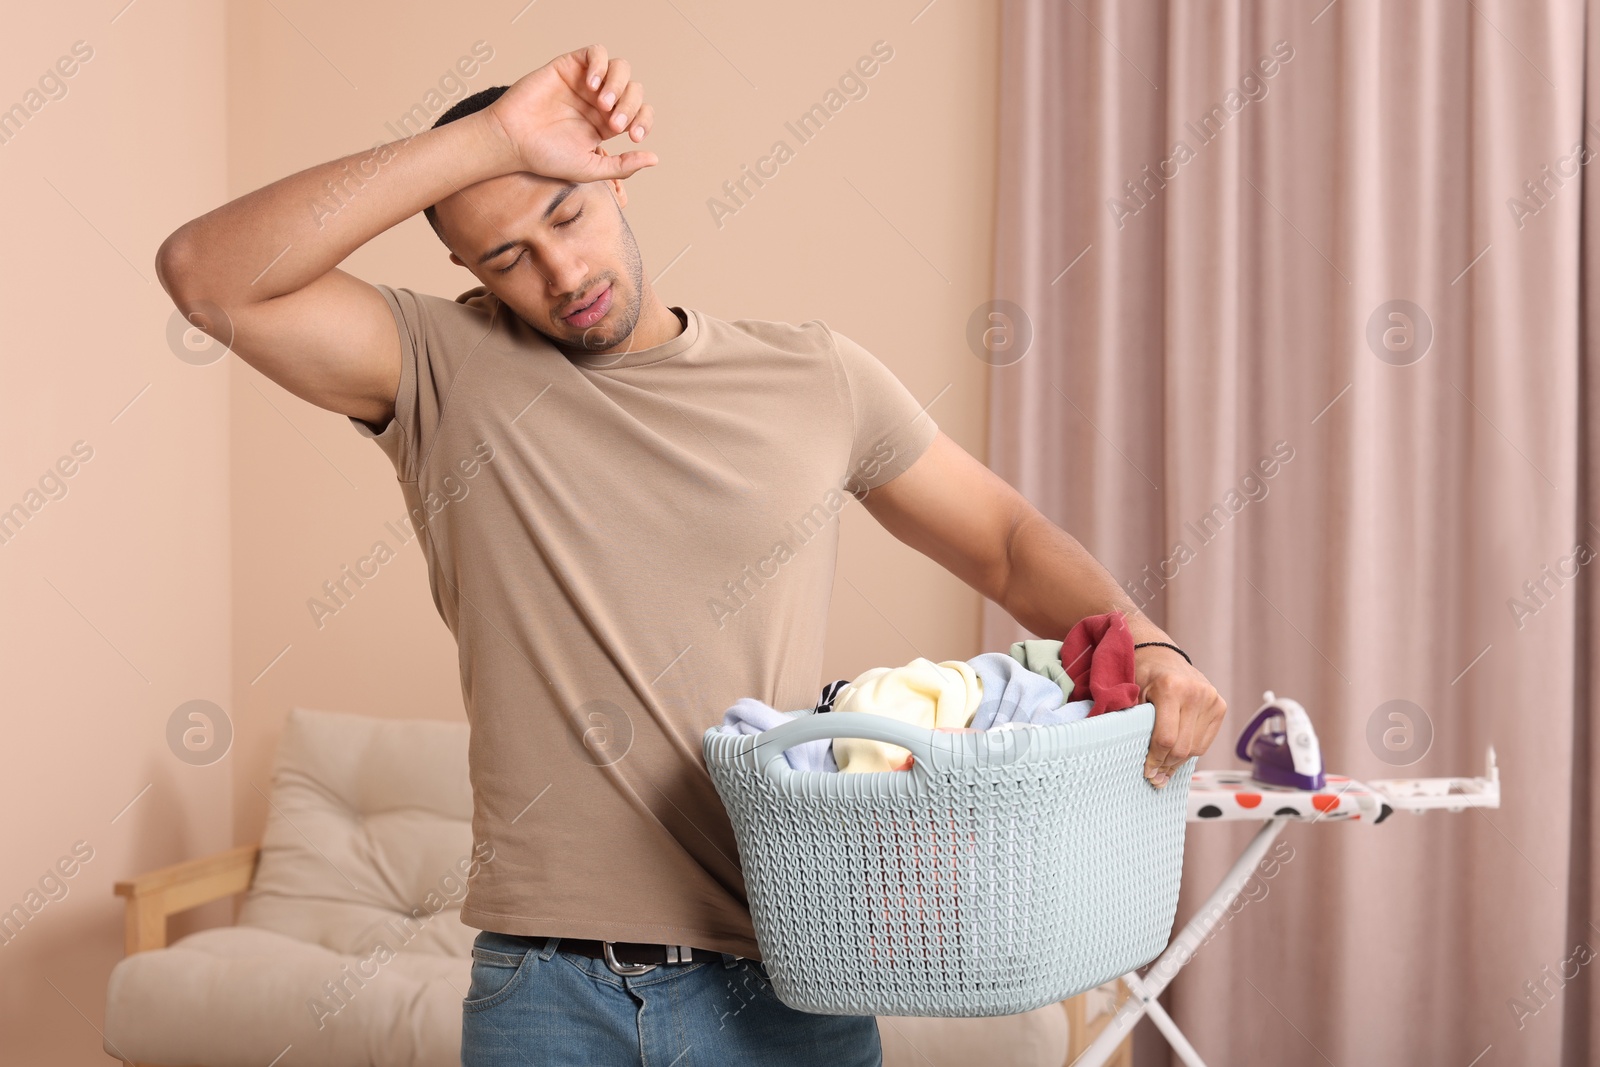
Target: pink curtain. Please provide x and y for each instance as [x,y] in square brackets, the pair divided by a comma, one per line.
[1310,372]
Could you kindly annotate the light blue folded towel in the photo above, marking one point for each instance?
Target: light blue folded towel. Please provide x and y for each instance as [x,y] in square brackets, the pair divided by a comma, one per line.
[750,716]
[1013,693]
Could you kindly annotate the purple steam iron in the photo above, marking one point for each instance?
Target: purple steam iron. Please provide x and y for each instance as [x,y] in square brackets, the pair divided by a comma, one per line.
[1281,746]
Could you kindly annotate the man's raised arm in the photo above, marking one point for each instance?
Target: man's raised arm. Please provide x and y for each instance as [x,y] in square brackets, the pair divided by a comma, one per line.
[259,273]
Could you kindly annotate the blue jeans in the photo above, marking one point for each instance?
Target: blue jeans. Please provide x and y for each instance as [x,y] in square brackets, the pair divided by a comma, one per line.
[530,1003]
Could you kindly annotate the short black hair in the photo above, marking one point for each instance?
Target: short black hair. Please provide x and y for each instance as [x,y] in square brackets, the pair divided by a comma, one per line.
[469,106]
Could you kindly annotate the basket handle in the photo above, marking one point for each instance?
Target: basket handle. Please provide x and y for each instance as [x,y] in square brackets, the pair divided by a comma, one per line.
[772,744]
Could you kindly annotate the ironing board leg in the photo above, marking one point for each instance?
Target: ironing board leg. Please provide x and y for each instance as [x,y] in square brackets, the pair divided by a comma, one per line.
[1183,947]
[1178,952]
[1164,1023]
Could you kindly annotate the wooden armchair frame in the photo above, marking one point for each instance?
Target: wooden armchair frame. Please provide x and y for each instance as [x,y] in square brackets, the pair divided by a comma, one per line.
[152,898]
[156,895]
[1081,1030]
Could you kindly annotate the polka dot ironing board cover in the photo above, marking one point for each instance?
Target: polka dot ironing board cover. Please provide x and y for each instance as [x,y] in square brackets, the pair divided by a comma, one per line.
[1234,795]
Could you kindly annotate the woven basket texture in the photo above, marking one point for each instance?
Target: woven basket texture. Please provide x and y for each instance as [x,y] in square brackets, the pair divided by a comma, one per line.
[1004,870]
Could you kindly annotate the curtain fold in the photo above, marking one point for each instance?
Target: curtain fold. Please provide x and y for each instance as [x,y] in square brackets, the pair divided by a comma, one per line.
[1583,888]
[1310,374]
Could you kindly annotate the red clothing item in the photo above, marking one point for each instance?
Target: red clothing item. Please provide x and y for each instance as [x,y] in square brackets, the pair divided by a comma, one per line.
[1097,655]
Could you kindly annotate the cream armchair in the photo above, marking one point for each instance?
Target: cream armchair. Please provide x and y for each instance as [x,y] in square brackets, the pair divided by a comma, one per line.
[349,948]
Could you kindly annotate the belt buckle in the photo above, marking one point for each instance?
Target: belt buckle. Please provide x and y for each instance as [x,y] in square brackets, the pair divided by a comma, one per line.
[618,967]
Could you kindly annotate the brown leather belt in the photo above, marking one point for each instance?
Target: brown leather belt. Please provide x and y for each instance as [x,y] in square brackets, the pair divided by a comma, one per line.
[635,957]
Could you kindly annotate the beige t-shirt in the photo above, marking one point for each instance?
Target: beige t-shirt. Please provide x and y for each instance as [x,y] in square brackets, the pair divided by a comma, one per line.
[623,546]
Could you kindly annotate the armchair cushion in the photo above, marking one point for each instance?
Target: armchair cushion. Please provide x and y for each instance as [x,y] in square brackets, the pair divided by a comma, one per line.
[368,835]
[1037,1038]
[237,996]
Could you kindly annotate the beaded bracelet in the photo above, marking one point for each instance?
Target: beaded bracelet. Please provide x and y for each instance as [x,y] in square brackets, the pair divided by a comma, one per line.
[1165,644]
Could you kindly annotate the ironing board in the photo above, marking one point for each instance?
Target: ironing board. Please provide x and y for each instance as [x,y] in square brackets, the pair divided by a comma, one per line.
[1233,796]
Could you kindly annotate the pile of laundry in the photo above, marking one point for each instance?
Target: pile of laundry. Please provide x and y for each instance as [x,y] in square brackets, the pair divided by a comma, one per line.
[1038,683]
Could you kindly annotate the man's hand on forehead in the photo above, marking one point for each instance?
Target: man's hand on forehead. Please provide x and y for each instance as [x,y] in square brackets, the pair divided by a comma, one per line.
[556,119]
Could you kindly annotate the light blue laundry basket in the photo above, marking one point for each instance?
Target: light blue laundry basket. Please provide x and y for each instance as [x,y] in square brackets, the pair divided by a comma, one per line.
[1005,870]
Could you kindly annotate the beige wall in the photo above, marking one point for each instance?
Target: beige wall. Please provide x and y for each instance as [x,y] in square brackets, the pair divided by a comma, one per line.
[117,594]
[217,504]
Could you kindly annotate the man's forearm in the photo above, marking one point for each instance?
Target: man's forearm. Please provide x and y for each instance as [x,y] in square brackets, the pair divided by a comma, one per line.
[1052,582]
[224,255]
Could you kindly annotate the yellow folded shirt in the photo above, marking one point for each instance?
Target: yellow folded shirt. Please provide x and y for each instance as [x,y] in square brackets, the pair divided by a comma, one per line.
[922,692]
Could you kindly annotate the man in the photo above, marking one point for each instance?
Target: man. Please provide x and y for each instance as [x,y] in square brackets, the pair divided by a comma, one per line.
[629,526]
